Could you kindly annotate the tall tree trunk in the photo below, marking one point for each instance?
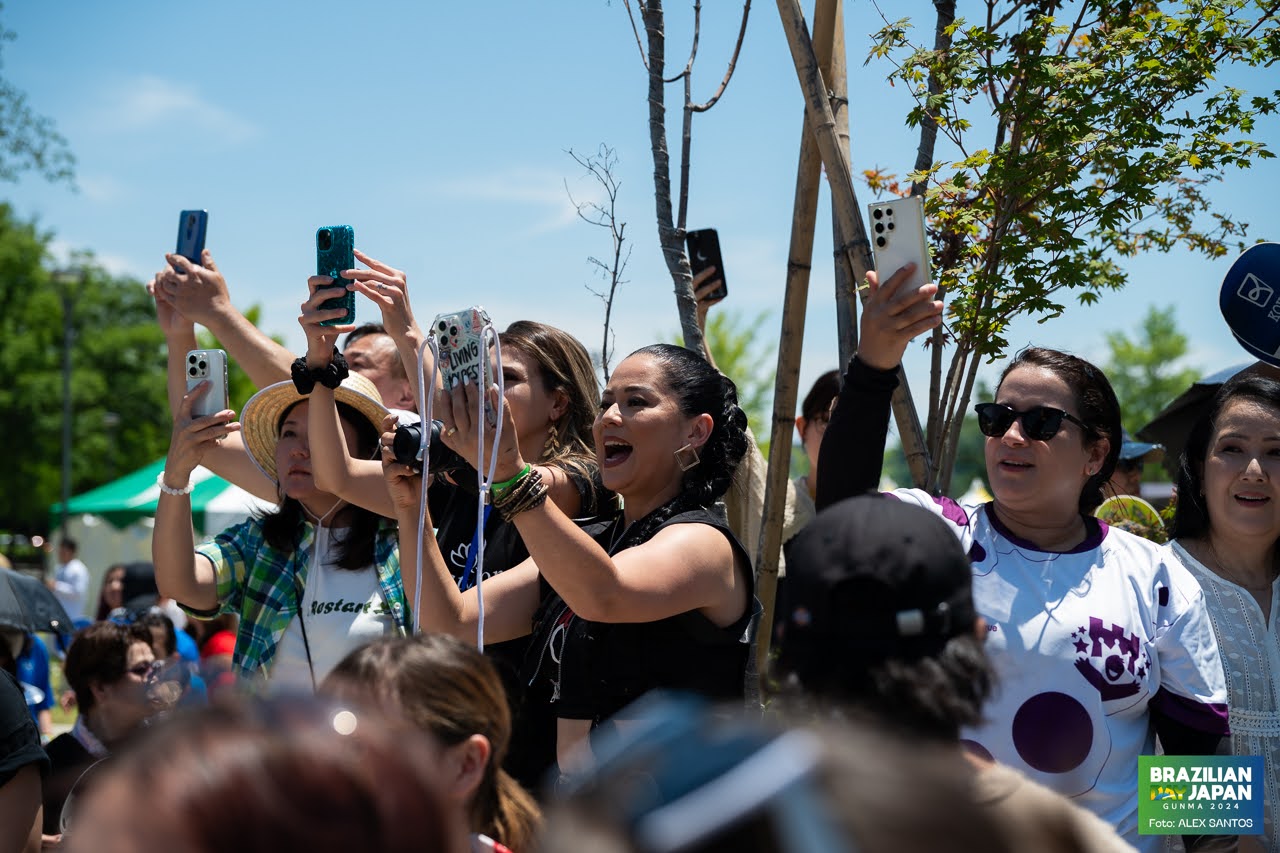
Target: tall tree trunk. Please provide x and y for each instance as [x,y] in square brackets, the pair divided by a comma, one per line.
[669,235]
[843,198]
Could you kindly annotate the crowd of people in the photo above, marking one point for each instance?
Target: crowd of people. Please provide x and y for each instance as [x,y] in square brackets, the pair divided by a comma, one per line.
[537,636]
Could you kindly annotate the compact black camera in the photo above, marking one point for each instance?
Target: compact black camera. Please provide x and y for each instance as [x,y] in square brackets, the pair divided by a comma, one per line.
[440,459]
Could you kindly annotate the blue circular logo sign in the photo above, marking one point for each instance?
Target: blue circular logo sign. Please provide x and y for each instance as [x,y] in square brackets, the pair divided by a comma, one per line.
[1250,301]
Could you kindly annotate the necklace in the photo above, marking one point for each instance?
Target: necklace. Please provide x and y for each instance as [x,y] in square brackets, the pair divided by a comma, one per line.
[1232,576]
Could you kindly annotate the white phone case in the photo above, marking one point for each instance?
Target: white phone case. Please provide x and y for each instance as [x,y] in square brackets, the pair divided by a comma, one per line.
[208,364]
[897,237]
[463,353]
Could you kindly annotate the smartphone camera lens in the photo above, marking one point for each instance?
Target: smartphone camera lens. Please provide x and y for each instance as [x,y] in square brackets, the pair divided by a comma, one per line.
[890,226]
[191,371]
[880,241]
[191,359]
[324,239]
[204,365]
[878,213]
[443,326]
[879,227]
[453,331]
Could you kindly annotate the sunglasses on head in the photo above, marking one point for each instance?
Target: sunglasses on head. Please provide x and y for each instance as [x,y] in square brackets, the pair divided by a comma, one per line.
[1039,423]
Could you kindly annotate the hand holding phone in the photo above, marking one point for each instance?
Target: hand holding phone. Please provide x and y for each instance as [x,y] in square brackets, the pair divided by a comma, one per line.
[898,238]
[463,354]
[335,252]
[210,364]
[704,252]
[192,225]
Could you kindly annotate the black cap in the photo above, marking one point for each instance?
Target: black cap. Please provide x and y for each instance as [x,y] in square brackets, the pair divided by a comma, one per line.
[872,578]
[140,590]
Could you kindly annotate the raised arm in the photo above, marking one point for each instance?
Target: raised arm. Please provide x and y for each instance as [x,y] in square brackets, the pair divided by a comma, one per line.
[181,574]
[228,458]
[684,567]
[852,453]
[357,481]
[388,288]
[199,292]
[510,598]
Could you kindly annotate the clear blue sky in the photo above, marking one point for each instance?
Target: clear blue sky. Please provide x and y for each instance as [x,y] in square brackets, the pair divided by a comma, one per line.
[439,131]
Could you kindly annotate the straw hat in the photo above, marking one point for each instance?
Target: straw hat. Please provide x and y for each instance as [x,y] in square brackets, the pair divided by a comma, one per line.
[260,420]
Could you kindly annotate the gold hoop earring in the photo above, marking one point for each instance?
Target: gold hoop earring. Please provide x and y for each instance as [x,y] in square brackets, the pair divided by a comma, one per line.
[552,445]
[687,457]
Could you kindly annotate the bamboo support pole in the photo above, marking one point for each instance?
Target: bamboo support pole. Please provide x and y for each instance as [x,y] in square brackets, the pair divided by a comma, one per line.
[844,201]
[790,343]
[835,72]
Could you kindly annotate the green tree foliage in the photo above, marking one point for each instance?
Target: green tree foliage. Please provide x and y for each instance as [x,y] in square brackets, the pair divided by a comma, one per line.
[117,367]
[1144,369]
[1076,134]
[28,140]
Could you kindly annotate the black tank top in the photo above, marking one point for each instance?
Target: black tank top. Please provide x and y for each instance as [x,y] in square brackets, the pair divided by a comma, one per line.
[591,670]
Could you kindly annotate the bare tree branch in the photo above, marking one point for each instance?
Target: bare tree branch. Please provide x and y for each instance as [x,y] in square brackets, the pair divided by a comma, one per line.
[636,30]
[733,63]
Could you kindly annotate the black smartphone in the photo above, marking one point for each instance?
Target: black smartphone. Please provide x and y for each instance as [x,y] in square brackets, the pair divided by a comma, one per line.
[704,251]
[335,252]
[191,229]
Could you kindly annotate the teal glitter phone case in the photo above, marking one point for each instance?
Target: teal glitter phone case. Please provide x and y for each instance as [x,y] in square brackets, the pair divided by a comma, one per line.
[335,252]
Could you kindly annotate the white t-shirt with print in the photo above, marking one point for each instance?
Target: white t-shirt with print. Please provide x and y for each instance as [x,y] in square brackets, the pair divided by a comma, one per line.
[343,609]
[1086,645]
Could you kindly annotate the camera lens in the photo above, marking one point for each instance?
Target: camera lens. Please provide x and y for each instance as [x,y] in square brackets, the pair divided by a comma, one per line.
[880,241]
[453,331]
[442,325]
[204,365]
[324,239]
[192,371]
[878,213]
[890,226]
[191,359]
[879,227]
[441,459]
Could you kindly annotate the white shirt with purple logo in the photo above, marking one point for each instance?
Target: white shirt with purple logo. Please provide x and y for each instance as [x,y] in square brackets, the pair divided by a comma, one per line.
[1087,645]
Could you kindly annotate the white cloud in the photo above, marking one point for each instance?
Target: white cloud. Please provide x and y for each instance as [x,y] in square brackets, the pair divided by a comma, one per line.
[543,190]
[101,188]
[63,254]
[150,103]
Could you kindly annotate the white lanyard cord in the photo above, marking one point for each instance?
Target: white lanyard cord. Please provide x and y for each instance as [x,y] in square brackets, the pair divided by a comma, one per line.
[427,401]
[485,478]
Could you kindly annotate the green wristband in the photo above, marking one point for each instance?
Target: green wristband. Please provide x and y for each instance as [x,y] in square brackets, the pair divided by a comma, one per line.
[496,489]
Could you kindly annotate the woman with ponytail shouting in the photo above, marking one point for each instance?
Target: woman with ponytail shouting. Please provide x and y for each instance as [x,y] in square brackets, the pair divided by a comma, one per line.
[659,596]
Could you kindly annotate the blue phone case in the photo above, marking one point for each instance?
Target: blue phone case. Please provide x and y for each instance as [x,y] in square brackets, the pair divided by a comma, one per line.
[335,252]
[191,230]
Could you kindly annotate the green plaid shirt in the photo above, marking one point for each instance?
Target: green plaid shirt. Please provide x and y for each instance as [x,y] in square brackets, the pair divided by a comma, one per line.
[263,586]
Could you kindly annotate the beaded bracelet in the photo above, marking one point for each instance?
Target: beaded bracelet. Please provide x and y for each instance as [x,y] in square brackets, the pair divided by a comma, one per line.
[528,493]
[497,490]
[170,490]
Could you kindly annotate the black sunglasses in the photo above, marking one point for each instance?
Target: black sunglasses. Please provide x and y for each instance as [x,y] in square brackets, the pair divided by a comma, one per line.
[1040,423]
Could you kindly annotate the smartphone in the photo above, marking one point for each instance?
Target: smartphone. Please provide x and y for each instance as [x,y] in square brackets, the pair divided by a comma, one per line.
[463,353]
[898,237]
[704,251]
[208,364]
[335,252]
[191,229]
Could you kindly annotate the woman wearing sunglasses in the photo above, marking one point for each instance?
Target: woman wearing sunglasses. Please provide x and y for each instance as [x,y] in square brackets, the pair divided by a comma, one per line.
[1100,639]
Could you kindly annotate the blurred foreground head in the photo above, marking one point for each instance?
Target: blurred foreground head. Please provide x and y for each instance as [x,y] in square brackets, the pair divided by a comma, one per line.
[682,779]
[267,776]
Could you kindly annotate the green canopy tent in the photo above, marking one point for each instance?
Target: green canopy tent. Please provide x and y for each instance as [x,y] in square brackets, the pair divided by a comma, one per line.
[112,523]
[215,503]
